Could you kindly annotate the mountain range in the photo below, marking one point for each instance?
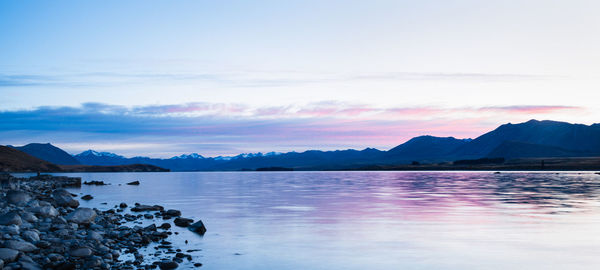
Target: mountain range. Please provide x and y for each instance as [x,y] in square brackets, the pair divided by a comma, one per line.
[531,139]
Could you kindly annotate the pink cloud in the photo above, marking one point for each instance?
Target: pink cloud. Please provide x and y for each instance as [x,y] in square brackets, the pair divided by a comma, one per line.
[530,109]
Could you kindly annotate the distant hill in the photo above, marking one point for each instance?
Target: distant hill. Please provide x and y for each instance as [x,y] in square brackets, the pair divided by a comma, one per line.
[532,139]
[48,152]
[579,139]
[13,160]
[426,148]
[511,150]
[117,168]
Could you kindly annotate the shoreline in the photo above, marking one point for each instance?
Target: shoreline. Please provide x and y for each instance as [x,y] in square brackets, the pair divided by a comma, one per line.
[43,227]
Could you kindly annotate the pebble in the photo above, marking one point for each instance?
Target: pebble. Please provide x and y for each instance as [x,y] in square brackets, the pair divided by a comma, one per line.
[43,227]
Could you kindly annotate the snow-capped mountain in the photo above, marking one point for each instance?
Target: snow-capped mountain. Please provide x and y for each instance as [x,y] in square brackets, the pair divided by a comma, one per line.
[97,154]
[190,156]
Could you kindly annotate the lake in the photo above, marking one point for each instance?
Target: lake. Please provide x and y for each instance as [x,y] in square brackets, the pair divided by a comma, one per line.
[374,220]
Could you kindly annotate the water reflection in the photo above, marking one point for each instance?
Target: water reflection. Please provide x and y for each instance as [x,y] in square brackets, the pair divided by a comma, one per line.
[377,220]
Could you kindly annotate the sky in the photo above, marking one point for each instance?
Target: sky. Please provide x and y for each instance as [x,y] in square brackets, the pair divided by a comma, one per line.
[164,78]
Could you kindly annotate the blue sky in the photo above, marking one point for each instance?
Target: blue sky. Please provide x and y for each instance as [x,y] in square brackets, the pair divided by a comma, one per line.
[159,78]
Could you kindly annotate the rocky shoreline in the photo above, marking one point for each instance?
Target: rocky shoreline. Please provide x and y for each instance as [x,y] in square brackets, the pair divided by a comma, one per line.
[43,227]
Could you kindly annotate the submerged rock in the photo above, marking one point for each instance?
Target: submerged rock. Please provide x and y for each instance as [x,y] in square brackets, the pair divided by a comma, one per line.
[142,207]
[87,197]
[95,183]
[168,265]
[173,212]
[198,227]
[134,183]
[183,222]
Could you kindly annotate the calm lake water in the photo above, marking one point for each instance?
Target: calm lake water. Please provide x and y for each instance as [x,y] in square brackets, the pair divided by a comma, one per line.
[375,220]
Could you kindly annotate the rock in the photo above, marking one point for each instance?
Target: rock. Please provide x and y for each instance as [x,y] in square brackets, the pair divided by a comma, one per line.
[82,215]
[81,252]
[29,266]
[30,236]
[45,211]
[183,222]
[29,217]
[1,264]
[123,205]
[92,235]
[93,261]
[198,227]
[64,198]
[10,218]
[142,207]
[87,197]
[173,212]
[20,245]
[12,229]
[150,227]
[95,183]
[165,226]
[8,255]
[168,265]
[134,183]
[17,197]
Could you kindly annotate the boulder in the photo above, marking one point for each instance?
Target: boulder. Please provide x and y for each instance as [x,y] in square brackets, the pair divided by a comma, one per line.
[94,183]
[81,252]
[82,215]
[8,255]
[30,236]
[198,227]
[93,235]
[168,265]
[11,218]
[12,229]
[26,265]
[134,183]
[142,207]
[173,212]
[29,217]
[183,222]
[64,198]
[17,197]
[20,245]
[46,211]
[87,197]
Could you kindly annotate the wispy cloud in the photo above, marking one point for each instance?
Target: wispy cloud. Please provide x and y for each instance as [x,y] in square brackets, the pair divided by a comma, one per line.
[242,79]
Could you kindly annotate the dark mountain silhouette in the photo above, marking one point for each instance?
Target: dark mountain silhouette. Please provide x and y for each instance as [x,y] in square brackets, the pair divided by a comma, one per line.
[180,163]
[583,139]
[308,160]
[13,160]
[510,150]
[425,148]
[532,139]
[48,152]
